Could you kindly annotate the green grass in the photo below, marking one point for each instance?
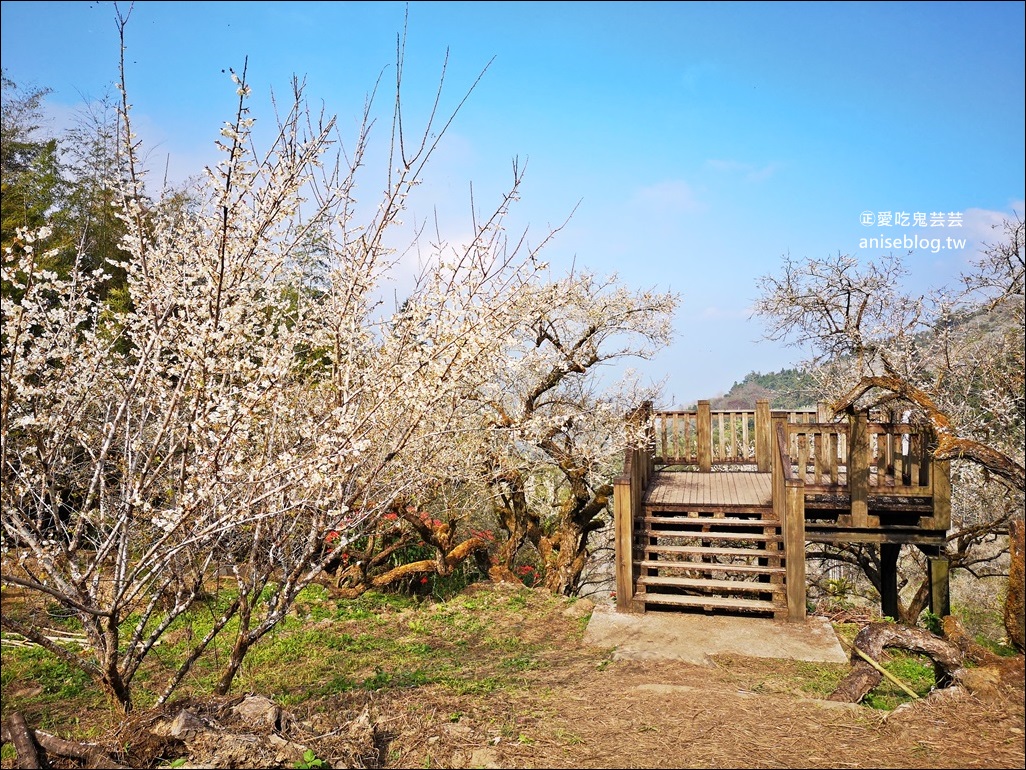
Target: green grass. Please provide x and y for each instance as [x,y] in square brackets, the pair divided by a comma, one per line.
[915,671]
[472,644]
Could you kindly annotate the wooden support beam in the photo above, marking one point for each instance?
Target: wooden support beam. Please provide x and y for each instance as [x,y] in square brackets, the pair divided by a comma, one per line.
[794,549]
[623,529]
[889,579]
[858,469]
[940,591]
[940,482]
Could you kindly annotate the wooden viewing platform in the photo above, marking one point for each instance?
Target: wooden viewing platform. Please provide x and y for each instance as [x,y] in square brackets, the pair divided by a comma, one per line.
[714,508]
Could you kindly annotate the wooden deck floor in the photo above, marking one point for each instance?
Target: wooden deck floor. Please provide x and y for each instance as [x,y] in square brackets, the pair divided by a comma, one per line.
[681,489]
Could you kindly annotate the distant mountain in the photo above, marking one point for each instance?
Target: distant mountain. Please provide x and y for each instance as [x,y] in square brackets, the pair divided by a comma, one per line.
[786,389]
[795,388]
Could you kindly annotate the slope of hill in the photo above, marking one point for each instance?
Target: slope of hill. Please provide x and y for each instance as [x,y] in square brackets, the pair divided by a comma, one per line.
[786,389]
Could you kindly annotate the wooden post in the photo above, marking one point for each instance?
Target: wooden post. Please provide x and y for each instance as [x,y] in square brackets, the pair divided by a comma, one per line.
[778,473]
[858,469]
[623,541]
[704,425]
[794,549]
[940,481]
[940,593]
[763,432]
[823,413]
[889,579]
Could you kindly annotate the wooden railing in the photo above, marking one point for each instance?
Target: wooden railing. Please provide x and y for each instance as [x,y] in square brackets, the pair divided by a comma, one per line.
[705,437]
[863,458]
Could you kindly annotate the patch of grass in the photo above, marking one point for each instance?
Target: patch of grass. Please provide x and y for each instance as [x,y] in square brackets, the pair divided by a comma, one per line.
[471,645]
[478,686]
[517,601]
[805,679]
[997,647]
[520,663]
[915,671]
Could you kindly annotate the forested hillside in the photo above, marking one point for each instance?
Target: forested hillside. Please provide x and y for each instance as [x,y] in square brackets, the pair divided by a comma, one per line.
[786,389]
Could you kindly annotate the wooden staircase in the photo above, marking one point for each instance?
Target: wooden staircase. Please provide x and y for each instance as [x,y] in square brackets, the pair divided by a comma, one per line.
[711,503]
[712,558]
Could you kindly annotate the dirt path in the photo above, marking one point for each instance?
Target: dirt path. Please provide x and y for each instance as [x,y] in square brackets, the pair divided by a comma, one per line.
[647,714]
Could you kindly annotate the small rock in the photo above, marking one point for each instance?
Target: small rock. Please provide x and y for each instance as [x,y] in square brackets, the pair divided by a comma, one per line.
[258,710]
[579,608]
[186,725]
[484,758]
[457,730]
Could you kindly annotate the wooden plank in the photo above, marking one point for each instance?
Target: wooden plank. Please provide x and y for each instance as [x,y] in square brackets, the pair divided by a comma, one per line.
[858,469]
[704,566]
[763,441]
[940,473]
[712,602]
[704,425]
[712,585]
[794,548]
[815,533]
[744,488]
[834,447]
[691,550]
[722,521]
[753,536]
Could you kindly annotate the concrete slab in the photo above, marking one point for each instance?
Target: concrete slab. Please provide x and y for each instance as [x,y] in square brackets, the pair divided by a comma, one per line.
[693,638]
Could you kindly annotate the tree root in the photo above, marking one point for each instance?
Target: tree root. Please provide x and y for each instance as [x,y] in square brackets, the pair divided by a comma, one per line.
[948,659]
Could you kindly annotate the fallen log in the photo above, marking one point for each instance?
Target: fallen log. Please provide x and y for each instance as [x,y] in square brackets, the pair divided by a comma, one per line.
[948,660]
[28,742]
[16,731]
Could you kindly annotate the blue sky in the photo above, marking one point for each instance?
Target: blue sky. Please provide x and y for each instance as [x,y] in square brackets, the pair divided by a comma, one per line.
[699,142]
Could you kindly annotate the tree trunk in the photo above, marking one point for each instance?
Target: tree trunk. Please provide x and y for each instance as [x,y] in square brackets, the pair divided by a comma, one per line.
[565,555]
[1015,619]
[231,668]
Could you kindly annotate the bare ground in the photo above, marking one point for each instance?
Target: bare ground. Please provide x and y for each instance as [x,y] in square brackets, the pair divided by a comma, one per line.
[575,707]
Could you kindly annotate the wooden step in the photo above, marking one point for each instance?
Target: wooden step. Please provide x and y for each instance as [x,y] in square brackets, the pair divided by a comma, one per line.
[694,550]
[710,585]
[701,566]
[719,521]
[710,509]
[712,602]
[754,536]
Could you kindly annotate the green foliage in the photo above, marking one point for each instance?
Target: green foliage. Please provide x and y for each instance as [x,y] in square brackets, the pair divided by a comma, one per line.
[310,761]
[932,623]
[915,671]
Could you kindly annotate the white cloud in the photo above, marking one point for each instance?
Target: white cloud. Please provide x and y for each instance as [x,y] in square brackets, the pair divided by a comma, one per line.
[674,196]
[982,226]
[748,171]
